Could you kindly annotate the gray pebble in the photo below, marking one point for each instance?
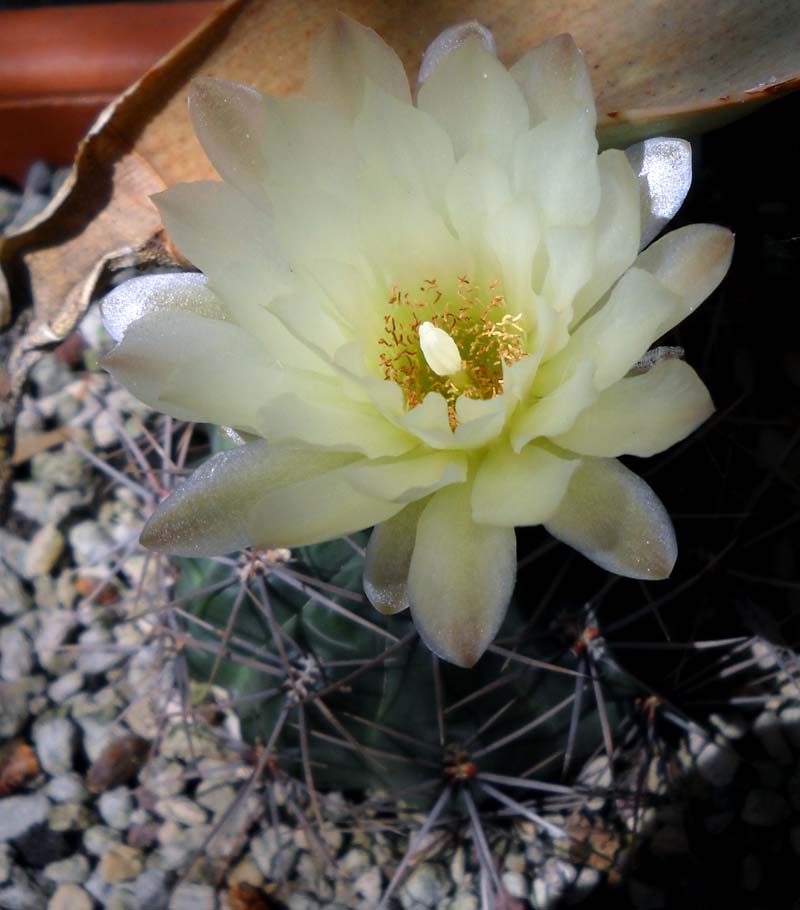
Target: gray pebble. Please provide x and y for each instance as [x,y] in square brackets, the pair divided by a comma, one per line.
[731,725]
[104,430]
[182,810]
[189,896]
[16,652]
[369,886]
[548,887]
[65,686]
[151,891]
[98,838]
[97,651]
[428,885]
[54,738]
[65,469]
[355,862]
[55,627]
[274,851]
[90,542]
[13,551]
[717,764]
[21,893]
[13,707]
[764,808]
[44,551]
[115,807]
[13,598]
[18,814]
[38,502]
[102,891]
[516,884]
[72,870]
[215,796]
[66,788]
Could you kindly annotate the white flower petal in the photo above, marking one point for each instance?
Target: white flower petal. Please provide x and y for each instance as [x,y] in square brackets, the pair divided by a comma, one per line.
[222,233]
[518,378]
[406,239]
[613,517]
[555,413]
[219,358]
[522,488]
[342,56]
[388,559]
[316,224]
[295,155]
[475,99]
[512,233]
[554,78]
[230,124]
[404,143]
[262,496]
[691,262]
[181,292]
[450,39]
[616,230]
[411,477]
[460,579]
[316,325]
[479,421]
[556,164]
[237,248]
[476,190]
[664,168]
[317,412]
[642,415]
[617,335]
[570,254]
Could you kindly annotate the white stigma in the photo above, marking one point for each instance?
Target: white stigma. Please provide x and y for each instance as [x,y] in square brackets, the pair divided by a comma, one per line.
[439,350]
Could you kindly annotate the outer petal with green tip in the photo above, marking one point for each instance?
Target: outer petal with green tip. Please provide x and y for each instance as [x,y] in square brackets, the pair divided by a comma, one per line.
[613,517]
[461,577]
[388,558]
[262,496]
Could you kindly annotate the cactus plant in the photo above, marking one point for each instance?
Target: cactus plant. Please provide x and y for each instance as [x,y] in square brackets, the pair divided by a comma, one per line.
[338,696]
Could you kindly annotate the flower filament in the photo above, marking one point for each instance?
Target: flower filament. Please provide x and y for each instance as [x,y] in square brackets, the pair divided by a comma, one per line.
[432,345]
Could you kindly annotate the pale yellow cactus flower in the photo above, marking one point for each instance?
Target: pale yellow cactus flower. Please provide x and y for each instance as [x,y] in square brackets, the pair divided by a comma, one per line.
[428,314]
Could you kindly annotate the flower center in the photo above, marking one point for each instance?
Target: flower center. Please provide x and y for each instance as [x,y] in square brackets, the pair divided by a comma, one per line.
[454,344]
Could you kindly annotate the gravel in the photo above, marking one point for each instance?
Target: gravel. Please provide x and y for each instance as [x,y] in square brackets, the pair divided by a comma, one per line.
[18,814]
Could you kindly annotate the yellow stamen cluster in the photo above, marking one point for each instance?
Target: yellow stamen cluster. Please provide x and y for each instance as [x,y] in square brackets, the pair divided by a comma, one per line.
[487,337]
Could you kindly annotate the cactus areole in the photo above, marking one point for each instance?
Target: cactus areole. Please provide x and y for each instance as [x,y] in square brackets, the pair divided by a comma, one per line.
[430,313]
